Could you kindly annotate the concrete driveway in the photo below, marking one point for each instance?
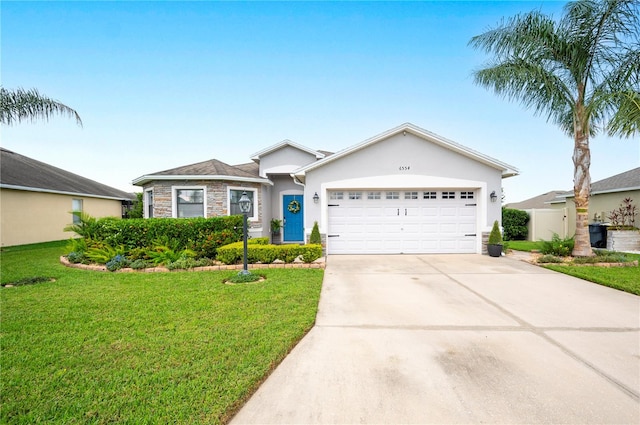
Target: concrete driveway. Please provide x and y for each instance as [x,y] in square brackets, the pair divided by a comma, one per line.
[458,339]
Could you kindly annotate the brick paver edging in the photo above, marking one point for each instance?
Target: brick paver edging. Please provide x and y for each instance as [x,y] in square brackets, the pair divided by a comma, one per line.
[318,264]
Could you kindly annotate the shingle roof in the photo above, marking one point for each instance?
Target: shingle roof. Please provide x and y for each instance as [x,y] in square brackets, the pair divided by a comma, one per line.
[540,201]
[24,173]
[211,169]
[629,180]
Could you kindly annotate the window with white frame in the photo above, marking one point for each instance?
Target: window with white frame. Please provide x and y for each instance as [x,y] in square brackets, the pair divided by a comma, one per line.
[148,202]
[411,195]
[392,195]
[76,207]
[428,195]
[355,195]
[373,195]
[189,202]
[233,196]
[466,195]
[336,195]
[448,195]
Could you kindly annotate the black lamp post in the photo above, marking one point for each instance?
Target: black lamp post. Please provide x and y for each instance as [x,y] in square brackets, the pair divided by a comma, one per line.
[245,206]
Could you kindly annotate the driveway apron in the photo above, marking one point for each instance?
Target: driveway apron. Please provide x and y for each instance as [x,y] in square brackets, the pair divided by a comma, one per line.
[458,339]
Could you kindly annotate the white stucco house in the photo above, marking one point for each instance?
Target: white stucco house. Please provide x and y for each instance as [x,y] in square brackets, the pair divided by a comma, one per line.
[406,190]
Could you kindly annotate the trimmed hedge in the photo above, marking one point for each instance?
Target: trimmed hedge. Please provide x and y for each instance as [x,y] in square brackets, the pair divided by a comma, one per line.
[202,235]
[267,254]
[514,223]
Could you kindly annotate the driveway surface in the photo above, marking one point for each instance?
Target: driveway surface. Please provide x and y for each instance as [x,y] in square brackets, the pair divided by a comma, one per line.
[458,339]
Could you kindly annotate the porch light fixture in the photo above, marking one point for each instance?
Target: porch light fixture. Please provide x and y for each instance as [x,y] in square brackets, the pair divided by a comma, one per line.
[316,198]
[493,196]
[245,205]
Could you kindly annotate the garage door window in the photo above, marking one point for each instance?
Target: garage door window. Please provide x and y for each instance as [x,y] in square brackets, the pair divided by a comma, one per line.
[428,195]
[466,195]
[393,195]
[373,195]
[448,195]
[355,195]
[336,195]
[411,195]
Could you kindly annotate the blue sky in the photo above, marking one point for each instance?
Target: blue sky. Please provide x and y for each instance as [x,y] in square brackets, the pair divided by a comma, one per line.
[164,84]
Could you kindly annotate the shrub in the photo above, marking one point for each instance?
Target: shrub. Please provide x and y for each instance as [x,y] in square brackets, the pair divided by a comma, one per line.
[549,259]
[164,255]
[186,263]
[102,253]
[76,257]
[495,237]
[514,223]
[557,246]
[117,262]
[139,264]
[625,215]
[266,254]
[244,278]
[315,238]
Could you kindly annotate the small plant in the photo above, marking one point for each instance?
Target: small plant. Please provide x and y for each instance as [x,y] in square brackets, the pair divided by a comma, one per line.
[557,246]
[75,257]
[495,237]
[139,264]
[315,234]
[549,259]
[102,253]
[163,255]
[276,225]
[186,263]
[244,278]
[85,227]
[116,263]
[29,281]
[625,215]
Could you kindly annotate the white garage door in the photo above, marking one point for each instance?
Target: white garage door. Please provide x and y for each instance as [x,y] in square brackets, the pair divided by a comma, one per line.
[402,221]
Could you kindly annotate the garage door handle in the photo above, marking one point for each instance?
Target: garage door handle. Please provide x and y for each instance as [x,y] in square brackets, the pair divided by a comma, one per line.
[333,236]
[405,211]
[398,211]
[470,234]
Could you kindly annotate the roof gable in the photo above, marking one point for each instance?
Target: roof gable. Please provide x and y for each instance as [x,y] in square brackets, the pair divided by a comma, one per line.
[507,170]
[23,173]
[256,156]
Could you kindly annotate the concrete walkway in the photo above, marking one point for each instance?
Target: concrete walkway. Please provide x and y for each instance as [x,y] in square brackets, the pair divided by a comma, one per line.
[441,339]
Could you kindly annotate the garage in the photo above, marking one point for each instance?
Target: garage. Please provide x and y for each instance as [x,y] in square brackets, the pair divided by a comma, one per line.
[390,221]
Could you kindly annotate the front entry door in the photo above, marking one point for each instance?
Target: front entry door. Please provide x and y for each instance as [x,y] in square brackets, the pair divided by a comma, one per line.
[293,209]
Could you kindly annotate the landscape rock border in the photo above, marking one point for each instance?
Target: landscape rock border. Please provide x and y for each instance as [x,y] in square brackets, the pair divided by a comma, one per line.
[317,264]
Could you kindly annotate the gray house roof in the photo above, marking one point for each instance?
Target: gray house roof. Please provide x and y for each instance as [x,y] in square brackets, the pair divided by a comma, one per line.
[628,180]
[540,201]
[23,173]
[211,169]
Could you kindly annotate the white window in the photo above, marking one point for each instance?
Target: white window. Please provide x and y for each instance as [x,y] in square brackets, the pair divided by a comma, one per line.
[392,195]
[355,195]
[448,195]
[76,207]
[148,203]
[428,195]
[336,195]
[189,201]
[233,196]
[411,195]
[373,195]
[466,195]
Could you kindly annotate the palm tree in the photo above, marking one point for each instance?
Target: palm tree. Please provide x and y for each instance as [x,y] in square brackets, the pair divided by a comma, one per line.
[582,72]
[19,105]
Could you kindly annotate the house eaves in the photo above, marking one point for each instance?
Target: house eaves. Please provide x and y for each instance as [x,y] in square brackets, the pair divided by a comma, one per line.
[506,169]
[61,192]
[256,156]
[151,177]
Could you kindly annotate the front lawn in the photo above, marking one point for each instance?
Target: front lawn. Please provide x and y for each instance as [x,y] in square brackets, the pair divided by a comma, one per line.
[623,278]
[179,347]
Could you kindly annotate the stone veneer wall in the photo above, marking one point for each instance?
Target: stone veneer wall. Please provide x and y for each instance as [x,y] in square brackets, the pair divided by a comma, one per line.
[216,192]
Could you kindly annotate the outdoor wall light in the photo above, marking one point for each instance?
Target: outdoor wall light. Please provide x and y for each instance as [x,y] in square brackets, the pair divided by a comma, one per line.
[493,196]
[316,198]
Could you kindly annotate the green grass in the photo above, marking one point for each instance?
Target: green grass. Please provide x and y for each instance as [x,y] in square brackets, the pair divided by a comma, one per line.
[623,278]
[144,348]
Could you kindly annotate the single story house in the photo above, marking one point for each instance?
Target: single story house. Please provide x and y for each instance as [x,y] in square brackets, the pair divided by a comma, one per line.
[406,190]
[36,200]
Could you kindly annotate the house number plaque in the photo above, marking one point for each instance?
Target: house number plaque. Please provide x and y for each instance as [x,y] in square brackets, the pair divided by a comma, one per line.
[404,167]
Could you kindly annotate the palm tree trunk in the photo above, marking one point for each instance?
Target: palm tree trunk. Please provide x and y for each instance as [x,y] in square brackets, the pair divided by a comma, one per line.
[581,191]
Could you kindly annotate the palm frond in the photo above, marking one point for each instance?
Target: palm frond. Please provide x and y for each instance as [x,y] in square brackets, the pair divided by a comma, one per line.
[19,105]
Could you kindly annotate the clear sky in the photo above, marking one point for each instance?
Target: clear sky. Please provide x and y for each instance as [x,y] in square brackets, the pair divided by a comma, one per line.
[164,84]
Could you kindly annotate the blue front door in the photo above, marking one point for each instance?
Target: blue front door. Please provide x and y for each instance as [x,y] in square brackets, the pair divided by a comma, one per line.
[293,207]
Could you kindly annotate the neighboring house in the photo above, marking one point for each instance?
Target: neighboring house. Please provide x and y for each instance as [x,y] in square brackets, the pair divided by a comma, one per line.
[555,212]
[406,190]
[36,200]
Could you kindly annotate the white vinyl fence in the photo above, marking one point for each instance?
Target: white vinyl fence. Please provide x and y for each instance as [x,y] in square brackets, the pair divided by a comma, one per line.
[543,223]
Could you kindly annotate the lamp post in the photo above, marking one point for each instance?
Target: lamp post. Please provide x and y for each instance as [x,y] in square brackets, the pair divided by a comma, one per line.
[245,206]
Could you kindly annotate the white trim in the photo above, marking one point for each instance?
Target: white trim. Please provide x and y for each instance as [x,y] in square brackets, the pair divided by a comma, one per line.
[507,170]
[145,198]
[256,156]
[254,217]
[150,177]
[174,199]
[60,192]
